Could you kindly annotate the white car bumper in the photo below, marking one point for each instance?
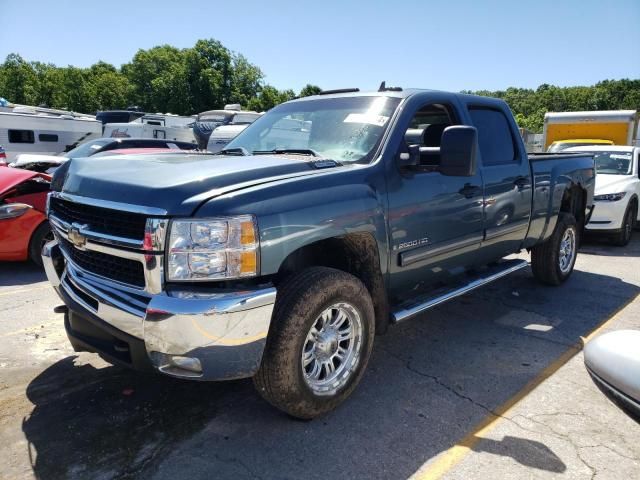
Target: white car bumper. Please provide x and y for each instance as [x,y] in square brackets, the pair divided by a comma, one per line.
[607,215]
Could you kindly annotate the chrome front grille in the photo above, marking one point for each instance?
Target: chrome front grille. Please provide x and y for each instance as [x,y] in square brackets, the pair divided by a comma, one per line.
[100,220]
[119,243]
[108,266]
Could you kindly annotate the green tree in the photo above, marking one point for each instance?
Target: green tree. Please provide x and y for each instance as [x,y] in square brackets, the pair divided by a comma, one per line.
[151,75]
[19,81]
[309,90]
[246,80]
[269,97]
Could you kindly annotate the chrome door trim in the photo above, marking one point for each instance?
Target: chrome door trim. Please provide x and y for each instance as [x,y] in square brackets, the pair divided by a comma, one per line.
[423,252]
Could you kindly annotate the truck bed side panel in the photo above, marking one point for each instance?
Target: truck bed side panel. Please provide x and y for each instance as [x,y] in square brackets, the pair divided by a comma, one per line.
[552,176]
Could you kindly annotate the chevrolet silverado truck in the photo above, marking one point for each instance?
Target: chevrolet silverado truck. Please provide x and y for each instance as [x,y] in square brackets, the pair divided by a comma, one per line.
[325,221]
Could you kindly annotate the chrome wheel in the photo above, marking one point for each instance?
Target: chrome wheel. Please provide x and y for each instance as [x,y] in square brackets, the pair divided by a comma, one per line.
[567,250]
[331,351]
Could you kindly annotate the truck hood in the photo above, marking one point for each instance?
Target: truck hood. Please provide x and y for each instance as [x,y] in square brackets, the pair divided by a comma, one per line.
[614,183]
[177,184]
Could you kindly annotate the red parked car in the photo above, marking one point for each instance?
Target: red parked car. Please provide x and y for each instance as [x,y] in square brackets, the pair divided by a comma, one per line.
[24,228]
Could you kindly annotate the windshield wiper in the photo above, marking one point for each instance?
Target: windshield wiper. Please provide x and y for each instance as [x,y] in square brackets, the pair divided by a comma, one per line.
[241,151]
[282,151]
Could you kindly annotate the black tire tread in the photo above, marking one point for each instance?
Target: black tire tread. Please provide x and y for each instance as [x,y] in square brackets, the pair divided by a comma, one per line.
[274,381]
[36,239]
[544,257]
[620,239]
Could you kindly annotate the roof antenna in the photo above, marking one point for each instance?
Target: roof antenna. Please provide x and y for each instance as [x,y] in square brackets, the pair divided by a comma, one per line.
[383,88]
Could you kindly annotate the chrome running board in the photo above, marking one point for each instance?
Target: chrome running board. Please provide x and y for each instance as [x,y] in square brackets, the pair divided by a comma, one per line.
[414,307]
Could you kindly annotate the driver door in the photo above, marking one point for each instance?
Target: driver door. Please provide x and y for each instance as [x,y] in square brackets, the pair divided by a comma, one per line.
[435,221]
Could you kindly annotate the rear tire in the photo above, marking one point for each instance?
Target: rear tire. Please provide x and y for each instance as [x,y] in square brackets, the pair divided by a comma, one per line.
[623,238]
[40,236]
[319,343]
[552,262]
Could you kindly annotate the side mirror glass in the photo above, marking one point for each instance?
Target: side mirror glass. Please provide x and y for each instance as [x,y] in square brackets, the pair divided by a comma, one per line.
[458,151]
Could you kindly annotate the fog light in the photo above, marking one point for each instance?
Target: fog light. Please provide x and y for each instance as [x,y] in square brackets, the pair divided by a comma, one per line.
[186,363]
[176,365]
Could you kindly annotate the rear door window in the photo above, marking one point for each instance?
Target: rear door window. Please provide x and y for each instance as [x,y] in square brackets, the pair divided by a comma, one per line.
[494,136]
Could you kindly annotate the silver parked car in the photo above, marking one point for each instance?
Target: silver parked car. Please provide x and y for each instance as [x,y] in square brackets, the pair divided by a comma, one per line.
[613,360]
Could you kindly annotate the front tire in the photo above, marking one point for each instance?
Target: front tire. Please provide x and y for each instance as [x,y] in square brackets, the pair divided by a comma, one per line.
[319,343]
[623,238]
[40,236]
[552,262]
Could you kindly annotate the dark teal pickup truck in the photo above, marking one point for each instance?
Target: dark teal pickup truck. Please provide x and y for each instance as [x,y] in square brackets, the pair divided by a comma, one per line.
[325,221]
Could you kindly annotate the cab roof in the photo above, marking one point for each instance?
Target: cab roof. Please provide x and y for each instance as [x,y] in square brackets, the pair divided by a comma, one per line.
[400,93]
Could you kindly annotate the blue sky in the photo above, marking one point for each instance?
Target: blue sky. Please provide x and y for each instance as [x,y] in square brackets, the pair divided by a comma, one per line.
[448,45]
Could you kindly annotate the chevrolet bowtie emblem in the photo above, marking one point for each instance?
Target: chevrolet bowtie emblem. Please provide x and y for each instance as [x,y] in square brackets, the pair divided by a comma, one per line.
[75,237]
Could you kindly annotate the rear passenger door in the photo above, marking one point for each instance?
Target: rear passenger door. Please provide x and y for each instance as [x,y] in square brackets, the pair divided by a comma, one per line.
[507,180]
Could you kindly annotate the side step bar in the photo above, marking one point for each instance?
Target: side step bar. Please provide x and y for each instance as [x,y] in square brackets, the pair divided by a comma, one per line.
[415,307]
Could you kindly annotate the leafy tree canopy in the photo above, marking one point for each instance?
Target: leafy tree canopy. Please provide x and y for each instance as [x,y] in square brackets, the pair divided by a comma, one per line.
[209,75]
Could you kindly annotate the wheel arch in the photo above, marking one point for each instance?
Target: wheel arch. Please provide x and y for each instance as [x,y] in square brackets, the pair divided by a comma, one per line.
[354,253]
[574,201]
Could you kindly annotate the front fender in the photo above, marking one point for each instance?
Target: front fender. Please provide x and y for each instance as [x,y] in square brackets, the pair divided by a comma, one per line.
[296,212]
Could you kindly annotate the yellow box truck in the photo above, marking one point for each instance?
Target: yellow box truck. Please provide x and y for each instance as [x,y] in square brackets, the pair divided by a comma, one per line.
[572,129]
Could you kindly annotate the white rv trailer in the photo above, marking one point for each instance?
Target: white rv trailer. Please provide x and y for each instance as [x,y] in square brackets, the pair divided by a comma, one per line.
[228,123]
[25,129]
[162,126]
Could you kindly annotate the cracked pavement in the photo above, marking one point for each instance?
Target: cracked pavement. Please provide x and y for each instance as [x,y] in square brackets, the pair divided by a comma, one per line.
[430,382]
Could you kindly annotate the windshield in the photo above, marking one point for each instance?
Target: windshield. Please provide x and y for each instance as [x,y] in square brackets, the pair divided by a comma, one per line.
[87,149]
[612,163]
[560,146]
[345,129]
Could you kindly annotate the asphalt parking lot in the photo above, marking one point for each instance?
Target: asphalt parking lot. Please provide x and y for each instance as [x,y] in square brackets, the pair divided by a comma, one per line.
[488,386]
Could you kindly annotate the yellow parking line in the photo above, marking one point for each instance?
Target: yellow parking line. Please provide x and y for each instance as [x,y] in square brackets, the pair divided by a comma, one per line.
[22,290]
[33,327]
[450,458]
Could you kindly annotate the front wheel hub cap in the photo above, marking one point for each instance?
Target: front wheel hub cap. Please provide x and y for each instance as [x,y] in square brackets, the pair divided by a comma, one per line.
[332,349]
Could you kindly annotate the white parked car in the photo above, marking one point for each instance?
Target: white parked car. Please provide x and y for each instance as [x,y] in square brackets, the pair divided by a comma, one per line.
[617,193]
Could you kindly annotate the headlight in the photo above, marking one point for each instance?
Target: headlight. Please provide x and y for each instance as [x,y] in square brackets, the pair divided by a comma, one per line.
[610,197]
[213,249]
[13,210]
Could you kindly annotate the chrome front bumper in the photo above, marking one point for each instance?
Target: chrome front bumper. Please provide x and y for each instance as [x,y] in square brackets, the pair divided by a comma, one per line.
[186,333]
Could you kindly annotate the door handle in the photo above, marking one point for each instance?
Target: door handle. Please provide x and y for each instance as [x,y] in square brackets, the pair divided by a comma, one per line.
[521,182]
[470,191]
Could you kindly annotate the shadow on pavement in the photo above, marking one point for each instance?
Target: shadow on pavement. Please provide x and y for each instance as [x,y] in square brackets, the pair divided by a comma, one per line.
[593,244]
[20,273]
[529,453]
[108,420]
[430,381]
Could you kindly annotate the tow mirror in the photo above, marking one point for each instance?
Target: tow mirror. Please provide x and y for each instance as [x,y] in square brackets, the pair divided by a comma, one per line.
[458,151]
[411,157]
